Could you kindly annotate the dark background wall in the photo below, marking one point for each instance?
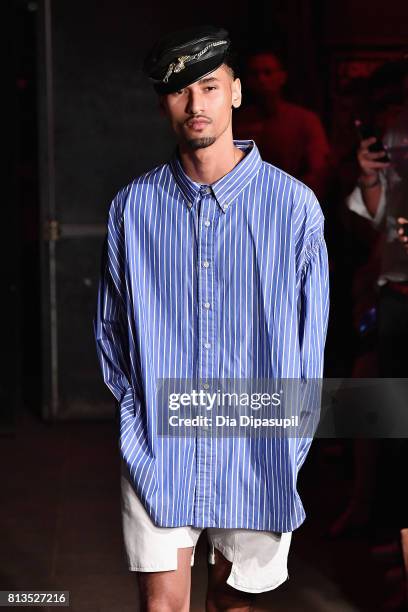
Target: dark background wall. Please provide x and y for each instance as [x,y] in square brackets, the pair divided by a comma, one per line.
[91,124]
[365,22]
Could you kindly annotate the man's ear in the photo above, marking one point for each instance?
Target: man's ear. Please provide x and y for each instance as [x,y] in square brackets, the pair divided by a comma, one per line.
[236,93]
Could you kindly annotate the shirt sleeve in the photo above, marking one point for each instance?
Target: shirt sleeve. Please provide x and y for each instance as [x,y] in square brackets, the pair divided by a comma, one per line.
[313,322]
[356,203]
[109,322]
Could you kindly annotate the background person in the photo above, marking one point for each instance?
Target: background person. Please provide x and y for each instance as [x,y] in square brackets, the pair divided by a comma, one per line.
[381,197]
[289,136]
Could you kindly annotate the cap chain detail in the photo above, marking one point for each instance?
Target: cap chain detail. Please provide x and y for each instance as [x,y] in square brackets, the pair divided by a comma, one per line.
[181,61]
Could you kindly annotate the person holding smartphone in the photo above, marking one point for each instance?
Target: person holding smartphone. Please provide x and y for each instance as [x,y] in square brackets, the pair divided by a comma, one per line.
[381,196]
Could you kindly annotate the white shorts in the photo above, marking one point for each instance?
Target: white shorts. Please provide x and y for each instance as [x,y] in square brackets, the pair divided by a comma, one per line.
[259,558]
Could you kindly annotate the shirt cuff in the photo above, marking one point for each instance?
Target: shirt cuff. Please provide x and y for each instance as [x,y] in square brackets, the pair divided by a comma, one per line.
[356,203]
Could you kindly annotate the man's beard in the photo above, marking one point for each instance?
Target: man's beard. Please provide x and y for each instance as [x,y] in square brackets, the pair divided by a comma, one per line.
[201,143]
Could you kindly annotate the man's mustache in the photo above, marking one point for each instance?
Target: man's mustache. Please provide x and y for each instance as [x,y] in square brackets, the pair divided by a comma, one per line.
[198,118]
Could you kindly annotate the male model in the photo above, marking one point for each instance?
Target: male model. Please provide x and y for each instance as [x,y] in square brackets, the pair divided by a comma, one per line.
[215,267]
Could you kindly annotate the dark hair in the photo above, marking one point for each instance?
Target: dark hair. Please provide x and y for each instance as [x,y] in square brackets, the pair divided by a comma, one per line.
[386,83]
[265,48]
[389,73]
[231,60]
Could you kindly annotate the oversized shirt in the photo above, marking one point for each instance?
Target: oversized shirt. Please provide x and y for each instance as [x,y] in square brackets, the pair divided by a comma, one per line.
[228,280]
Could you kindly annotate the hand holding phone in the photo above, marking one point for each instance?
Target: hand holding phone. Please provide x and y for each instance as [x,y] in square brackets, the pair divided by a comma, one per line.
[366,132]
[371,162]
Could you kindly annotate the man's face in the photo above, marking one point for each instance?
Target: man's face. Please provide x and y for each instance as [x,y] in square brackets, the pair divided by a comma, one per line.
[200,113]
[264,74]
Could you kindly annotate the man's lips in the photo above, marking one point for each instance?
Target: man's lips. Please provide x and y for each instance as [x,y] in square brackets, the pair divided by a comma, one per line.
[197,124]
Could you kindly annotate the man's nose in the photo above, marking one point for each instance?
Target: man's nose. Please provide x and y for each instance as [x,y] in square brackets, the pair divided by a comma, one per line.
[195,103]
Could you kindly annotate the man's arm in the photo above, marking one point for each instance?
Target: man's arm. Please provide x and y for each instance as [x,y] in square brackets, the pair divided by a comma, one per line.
[110,323]
[313,322]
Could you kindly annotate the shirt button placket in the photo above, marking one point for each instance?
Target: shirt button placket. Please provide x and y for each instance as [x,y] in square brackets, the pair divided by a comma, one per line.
[207,326]
[206,281]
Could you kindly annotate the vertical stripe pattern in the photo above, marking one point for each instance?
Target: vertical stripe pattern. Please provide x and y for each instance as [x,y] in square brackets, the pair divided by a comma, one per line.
[221,281]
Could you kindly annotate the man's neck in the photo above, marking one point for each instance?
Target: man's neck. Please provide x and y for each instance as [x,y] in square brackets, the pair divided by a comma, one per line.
[211,163]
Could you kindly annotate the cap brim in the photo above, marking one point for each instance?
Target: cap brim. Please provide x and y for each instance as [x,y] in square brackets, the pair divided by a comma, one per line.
[190,74]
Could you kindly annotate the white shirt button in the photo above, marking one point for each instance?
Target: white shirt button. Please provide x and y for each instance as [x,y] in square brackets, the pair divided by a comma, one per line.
[206,385]
[205,264]
[207,345]
[207,304]
[206,222]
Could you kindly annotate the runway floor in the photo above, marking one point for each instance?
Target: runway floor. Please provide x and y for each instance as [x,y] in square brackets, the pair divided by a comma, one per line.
[61,529]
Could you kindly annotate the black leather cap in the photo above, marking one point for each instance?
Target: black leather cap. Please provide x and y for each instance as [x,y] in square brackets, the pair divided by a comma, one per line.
[183,57]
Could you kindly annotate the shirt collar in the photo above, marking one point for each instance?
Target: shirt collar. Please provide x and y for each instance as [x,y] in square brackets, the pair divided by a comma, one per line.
[227,188]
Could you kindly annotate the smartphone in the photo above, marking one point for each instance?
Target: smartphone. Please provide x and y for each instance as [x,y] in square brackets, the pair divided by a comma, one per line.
[365,131]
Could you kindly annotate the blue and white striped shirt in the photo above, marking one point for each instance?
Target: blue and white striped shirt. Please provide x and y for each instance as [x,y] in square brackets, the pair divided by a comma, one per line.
[221,281]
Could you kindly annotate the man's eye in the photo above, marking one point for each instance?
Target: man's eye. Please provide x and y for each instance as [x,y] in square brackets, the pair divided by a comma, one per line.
[210,87]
